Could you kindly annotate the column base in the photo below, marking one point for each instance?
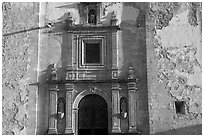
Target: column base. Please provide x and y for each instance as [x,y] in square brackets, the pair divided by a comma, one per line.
[132,130]
[52,132]
[116,130]
[69,131]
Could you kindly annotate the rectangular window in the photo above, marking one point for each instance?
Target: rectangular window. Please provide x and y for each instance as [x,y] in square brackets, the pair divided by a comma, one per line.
[180,107]
[92,53]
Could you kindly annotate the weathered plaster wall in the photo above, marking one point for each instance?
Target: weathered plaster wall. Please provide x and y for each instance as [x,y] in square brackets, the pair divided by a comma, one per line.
[19,68]
[132,50]
[174,67]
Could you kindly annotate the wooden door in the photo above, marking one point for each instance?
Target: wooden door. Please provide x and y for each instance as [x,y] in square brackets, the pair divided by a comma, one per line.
[93,116]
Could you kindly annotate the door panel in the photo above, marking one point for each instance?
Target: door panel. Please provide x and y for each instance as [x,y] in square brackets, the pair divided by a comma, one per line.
[93,116]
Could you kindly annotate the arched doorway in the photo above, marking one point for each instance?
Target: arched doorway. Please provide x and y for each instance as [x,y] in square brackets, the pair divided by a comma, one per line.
[93,116]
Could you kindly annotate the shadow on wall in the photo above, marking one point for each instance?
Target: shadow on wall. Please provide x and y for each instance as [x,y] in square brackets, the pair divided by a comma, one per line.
[61,66]
[133,49]
[189,130]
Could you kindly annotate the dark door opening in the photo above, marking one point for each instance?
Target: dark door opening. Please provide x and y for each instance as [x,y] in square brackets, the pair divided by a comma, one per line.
[93,116]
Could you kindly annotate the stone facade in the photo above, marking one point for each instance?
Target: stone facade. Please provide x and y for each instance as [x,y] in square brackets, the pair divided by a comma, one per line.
[151,57]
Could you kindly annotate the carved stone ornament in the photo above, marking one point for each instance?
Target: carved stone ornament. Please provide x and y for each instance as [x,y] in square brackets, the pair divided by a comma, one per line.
[131,72]
[123,107]
[69,20]
[113,19]
[61,109]
[53,75]
[92,89]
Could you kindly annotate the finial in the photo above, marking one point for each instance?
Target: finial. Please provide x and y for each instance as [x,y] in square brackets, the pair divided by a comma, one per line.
[53,75]
[69,19]
[131,72]
[113,19]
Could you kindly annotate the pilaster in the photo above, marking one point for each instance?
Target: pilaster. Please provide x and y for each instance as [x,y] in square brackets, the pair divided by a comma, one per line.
[114,50]
[115,108]
[53,109]
[132,106]
[69,92]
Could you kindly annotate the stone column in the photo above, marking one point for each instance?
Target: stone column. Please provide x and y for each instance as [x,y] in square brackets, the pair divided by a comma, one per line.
[132,106]
[75,121]
[53,109]
[69,91]
[115,108]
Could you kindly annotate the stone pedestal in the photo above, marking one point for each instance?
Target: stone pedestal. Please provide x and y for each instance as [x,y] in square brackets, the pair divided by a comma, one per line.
[115,108]
[53,109]
[69,91]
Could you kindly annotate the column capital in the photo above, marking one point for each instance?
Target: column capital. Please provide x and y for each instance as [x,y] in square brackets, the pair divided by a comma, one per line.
[75,110]
[115,86]
[52,131]
[69,87]
[53,87]
[132,86]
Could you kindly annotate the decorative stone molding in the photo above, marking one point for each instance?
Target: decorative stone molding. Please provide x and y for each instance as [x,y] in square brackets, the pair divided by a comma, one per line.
[71,76]
[113,19]
[78,99]
[98,39]
[131,72]
[115,74]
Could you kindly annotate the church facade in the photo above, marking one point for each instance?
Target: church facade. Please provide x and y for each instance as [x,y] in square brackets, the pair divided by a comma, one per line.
[98,91]
[104,68]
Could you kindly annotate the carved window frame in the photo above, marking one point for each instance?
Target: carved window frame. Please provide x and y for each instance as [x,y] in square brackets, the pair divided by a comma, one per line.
[82,40]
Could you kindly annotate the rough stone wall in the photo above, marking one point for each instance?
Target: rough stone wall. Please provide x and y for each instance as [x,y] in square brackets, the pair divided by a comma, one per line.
[174,67]
[19,68]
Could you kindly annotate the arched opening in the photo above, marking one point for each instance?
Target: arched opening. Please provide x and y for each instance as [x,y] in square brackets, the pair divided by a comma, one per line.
[93,115]
[92,16]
